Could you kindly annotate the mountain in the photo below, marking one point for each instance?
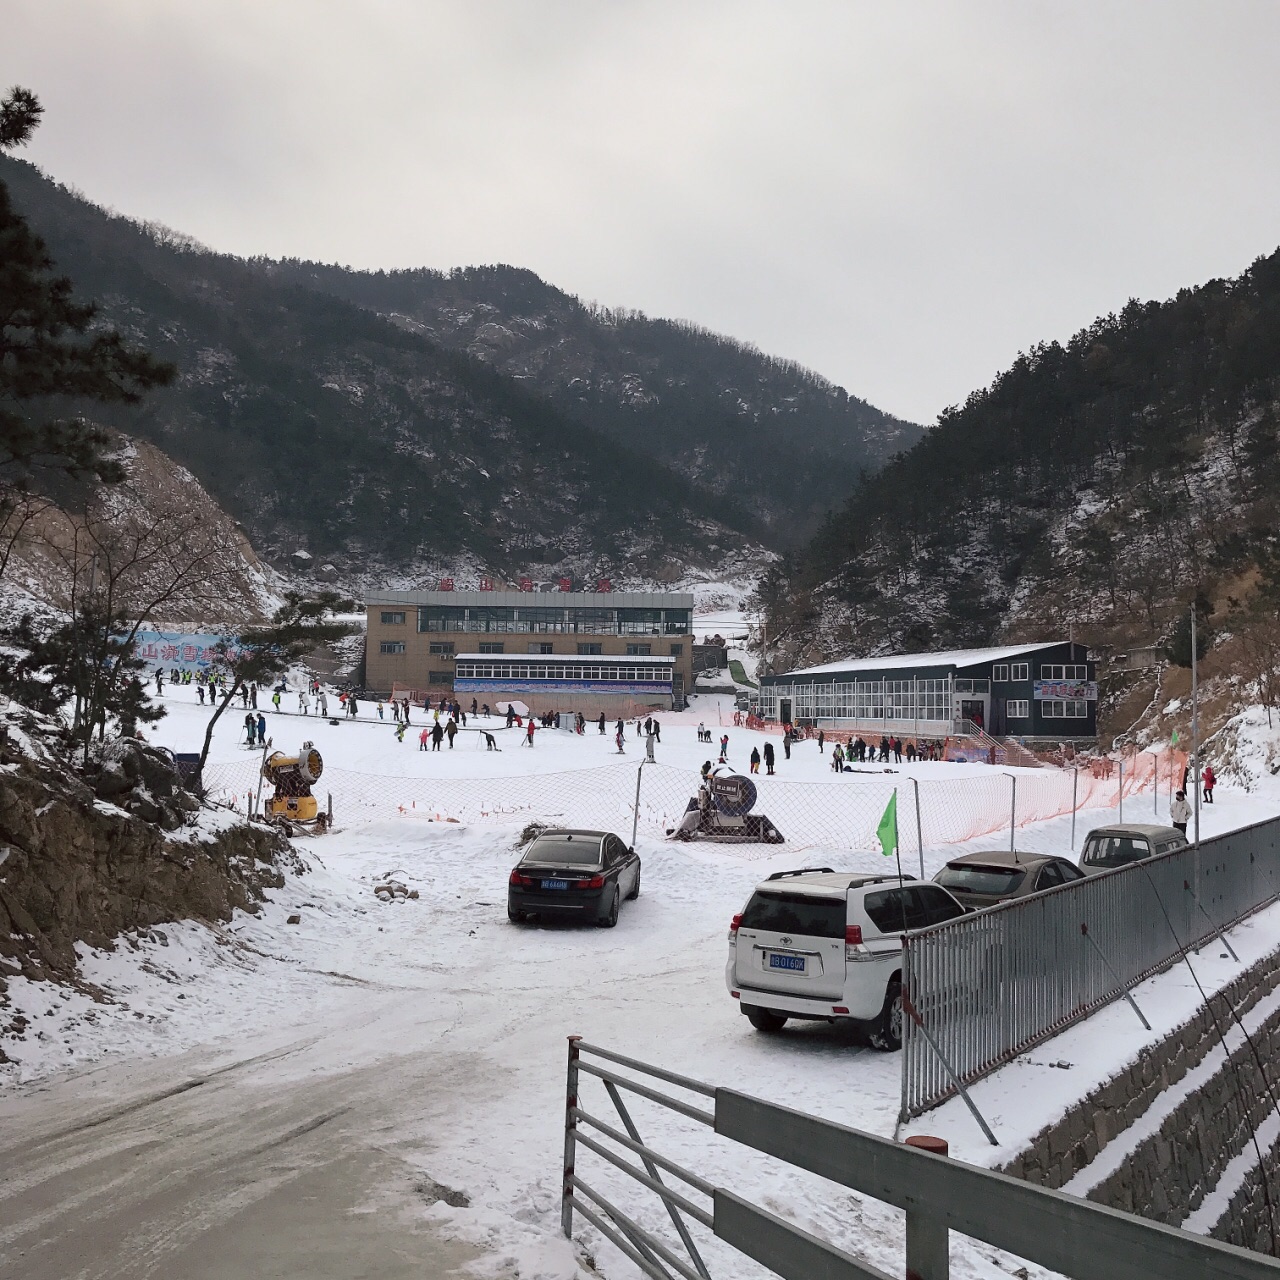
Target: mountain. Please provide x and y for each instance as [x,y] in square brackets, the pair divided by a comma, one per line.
[1095,487]
[319,422]
[785,441]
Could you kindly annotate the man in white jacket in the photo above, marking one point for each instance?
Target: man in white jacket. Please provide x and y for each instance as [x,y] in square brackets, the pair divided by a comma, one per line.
[1180,812]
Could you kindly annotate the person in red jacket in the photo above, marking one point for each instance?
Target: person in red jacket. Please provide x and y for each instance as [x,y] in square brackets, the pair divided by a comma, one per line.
[1207,781]
[529,732]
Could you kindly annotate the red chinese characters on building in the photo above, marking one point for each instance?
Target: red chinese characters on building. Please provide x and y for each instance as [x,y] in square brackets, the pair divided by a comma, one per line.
[566,584]
[446,584]
[486,584]
[604,584]
[526,584]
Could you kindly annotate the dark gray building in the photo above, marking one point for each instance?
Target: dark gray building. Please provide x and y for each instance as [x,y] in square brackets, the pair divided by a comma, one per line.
[1045,692]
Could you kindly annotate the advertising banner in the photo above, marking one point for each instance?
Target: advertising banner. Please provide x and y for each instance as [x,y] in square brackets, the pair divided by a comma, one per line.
[1086,689]
[188,651]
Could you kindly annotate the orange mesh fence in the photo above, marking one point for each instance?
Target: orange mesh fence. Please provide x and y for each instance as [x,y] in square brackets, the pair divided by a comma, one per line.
[842,814]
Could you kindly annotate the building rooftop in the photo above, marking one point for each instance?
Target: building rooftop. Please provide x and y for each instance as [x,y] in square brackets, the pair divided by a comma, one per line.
[587,659]
[537,599]
[947,658]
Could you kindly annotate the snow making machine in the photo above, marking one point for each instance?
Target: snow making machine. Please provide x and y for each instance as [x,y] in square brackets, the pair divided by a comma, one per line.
[292,776]
[721,811]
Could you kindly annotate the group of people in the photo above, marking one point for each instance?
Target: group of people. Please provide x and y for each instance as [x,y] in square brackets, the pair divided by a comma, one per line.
[255,729]
[755,757]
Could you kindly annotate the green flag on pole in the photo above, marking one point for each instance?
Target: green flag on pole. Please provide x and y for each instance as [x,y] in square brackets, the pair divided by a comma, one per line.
[1174,743]
[887,831]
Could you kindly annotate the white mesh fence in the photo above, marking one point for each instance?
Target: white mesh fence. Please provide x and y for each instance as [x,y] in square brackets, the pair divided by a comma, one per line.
[842,814]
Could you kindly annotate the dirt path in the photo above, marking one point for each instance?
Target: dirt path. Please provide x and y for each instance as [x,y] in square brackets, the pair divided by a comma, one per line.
[275,1166]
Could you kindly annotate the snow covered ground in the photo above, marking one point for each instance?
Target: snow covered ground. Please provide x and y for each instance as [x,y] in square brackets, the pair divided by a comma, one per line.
[464,1016]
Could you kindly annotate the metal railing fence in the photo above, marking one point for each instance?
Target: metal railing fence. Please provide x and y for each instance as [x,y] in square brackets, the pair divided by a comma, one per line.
[1073,1237]
[982,989]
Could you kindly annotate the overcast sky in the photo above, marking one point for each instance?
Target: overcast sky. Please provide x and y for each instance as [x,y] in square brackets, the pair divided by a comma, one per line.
[901,196]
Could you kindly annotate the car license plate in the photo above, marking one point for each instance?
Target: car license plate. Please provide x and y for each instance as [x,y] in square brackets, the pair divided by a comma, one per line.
[794,963]
[555,884]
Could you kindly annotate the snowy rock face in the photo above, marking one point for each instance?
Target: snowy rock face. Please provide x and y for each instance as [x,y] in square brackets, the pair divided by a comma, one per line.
[86,867]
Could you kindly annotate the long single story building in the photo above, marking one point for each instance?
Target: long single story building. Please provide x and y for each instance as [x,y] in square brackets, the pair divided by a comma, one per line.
[1040,692]
[589,651]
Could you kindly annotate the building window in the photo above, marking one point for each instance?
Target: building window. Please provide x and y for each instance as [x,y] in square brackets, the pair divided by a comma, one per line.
[1020,671]
[1064,709]
[490,646]
[590,650]
[391,646]
[440,646]
[1017,709]
[392,619]
[641,622]
[540,646]
[677,650]
[639,650]
[1068,671]
[440,677]
[1000,673]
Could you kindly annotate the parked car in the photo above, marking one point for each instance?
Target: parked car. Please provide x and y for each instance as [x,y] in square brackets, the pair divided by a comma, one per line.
[574,873]
[978,880]
[1108,847]
[821,944]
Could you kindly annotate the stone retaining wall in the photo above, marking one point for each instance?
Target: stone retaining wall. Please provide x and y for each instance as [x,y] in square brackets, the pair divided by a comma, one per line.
[1060,1151]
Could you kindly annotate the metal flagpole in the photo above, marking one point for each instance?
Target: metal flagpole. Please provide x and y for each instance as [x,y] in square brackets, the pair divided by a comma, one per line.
[919,829]
[1013,809]
[1122,788]
[1075,782]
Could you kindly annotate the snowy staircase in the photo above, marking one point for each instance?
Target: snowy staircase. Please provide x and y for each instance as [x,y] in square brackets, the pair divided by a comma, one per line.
[1172,1136]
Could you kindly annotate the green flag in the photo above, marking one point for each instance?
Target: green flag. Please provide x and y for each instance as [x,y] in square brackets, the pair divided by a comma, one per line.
[887,831]
[1174,743]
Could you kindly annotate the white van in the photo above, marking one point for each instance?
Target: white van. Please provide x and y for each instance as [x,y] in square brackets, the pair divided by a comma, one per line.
[821,944]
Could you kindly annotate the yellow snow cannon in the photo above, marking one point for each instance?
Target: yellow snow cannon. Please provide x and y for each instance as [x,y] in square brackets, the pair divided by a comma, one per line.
[292,777]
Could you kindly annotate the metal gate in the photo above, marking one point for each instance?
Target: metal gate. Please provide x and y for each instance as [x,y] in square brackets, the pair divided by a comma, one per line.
[1074,1237]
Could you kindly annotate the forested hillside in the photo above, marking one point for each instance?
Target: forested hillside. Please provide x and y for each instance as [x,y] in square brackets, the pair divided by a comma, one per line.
[322,415]
[1096,486]
[784,441]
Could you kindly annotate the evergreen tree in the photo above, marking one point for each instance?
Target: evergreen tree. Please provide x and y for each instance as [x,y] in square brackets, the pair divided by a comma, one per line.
[49,348]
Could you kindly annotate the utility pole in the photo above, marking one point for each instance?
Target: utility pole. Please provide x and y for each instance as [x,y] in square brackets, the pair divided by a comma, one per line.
[1195,747]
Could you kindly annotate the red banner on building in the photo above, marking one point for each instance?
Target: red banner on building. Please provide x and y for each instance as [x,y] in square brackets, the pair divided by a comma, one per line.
[526,584]
[446,584]
[486,584]
[604,584]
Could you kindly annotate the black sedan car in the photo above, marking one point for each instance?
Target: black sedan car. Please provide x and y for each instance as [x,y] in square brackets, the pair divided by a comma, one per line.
[574,873]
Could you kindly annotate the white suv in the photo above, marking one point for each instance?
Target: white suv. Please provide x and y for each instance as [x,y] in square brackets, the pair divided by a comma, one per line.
[822,944]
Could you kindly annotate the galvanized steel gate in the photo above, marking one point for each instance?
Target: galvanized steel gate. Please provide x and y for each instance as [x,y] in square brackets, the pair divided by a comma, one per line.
[980,990]
[1074,1237]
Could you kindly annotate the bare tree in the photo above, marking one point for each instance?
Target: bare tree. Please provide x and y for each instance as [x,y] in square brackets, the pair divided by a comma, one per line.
[126,560]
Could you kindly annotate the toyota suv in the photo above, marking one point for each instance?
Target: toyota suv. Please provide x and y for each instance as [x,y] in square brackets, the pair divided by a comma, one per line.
[821,944]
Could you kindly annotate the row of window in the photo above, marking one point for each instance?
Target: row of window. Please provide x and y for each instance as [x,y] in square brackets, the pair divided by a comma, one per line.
[445,648]
[1004,672]
[512,670]
[1064,709]
[561,621]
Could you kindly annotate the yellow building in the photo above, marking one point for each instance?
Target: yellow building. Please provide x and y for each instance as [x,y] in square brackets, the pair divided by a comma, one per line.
[587,651]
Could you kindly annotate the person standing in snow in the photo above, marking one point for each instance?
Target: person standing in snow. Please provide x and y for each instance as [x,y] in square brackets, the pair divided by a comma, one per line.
[657,732]
[786,744]
[262,730]
[250,728]
[601,722]
[353,707]
[159,680]
[822,739]
[755,760]
[768,757]
[837,759]
[422,738]
[380,710]
[1180,812]
[529,731]
[1207,781]
[724,748]
[452,730]
[200,693]
[275,699]
[620,740]
[400,728]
